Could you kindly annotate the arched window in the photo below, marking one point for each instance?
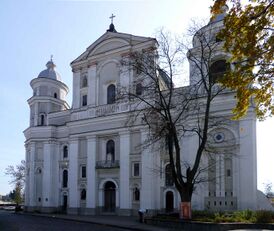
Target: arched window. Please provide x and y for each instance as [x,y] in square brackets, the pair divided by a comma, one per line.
[83,194]
[42,119]
[65,178]
[139,89]
[65,152]
[55,95]
[84,81]
[110,150]
[136,194]
[168,175]
[111,94]
[217,70]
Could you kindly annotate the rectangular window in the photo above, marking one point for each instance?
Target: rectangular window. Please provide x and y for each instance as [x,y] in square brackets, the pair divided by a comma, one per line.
[84,100]
[136,169]
[83,172]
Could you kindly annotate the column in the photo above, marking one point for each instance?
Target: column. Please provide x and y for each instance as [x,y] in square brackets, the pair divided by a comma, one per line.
[125,204]
[92,85]
[91,175]
[73,177]
[147,175]
[31,176]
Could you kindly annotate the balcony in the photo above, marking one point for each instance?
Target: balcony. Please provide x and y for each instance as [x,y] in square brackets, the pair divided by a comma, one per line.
[107,164]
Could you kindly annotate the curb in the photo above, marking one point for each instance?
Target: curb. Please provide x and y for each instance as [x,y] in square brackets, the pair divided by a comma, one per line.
[84,221]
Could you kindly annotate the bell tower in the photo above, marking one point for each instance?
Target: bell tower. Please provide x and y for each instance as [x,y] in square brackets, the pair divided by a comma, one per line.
[49,94]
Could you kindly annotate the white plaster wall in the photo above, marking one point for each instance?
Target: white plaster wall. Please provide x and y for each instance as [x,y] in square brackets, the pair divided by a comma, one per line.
[247,164]
[108,74]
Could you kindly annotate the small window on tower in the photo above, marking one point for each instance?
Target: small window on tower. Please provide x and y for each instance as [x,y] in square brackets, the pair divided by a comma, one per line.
[55,95]
[84,100]
[42,120]
[136,169]
[83,172]
[139,89]
[65,152]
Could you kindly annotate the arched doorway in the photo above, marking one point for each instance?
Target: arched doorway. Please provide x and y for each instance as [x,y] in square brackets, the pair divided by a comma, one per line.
[169,201]
[110,191]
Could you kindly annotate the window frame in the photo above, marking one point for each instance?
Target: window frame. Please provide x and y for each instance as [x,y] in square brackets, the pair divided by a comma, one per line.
[84,100]
[133,169]
[111,94]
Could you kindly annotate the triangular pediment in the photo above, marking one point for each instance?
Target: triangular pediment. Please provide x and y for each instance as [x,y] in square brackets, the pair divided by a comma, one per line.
[111,41]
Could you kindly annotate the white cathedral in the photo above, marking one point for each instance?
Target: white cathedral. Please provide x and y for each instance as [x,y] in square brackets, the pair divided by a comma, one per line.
[84,160]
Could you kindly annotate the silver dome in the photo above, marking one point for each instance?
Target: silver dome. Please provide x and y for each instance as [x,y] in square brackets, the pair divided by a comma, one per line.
[50,72]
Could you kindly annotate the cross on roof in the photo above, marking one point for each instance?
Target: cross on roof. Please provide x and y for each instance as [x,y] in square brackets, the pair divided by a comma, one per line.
[112,17]
[51,58]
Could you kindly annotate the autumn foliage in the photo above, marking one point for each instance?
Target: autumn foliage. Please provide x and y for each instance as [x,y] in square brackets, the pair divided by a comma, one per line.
[248,36]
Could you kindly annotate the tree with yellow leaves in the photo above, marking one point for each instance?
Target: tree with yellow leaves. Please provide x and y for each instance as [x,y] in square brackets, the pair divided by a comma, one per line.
[248,36]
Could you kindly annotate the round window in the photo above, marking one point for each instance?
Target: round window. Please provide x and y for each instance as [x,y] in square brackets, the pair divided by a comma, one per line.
[219,137]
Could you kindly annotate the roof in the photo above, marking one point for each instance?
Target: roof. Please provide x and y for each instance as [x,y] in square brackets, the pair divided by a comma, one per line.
[122,39]
[50,72]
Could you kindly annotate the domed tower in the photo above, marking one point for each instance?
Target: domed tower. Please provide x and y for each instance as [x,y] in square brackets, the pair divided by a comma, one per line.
[207,54]
[49,95]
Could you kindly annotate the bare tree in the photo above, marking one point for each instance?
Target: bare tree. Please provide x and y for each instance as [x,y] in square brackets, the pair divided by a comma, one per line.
[172,112]
[17,173]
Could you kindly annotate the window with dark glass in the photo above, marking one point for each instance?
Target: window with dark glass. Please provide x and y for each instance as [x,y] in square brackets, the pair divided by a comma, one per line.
[65,178]
[111,94]
[83,172]
[139,89]
[42,120]
[110,149]
[217,70]
[168,175]
[55,95]
[83,194]
[136,169]
[136,194]
[65,152]
[84,100]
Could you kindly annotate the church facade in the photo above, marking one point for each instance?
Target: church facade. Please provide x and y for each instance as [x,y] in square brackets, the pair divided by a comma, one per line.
[84,160]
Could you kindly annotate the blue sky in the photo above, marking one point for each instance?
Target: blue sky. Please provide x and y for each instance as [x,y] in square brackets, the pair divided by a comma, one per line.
[31,31]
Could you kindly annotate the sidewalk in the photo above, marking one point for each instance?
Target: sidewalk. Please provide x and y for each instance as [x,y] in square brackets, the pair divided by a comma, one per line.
[123,222]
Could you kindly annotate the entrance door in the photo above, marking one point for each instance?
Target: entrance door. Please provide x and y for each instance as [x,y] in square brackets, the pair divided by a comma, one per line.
[169,201]
[110,202]
[65,203]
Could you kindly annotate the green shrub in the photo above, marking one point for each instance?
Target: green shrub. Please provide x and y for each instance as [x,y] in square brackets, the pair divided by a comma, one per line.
[263,216]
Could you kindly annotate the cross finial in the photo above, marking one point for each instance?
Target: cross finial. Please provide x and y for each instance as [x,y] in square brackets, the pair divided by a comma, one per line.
[51,58]
[112,17]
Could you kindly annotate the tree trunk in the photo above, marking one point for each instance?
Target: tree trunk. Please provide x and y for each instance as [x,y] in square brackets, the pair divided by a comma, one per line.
[185,210]
[185,204]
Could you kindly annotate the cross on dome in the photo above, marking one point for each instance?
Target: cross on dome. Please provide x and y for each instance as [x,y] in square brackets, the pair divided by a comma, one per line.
[112,17]
[111,26]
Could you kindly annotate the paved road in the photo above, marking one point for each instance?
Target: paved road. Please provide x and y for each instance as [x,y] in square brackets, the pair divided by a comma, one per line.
[15,222]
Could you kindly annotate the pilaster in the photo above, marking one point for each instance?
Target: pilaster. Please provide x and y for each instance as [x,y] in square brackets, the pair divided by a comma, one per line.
[32,195]
[91,175]
[125,204]
[147,177]
[73,177]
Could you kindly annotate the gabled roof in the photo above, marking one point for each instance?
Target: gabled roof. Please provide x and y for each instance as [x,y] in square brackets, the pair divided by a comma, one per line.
[117,39]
